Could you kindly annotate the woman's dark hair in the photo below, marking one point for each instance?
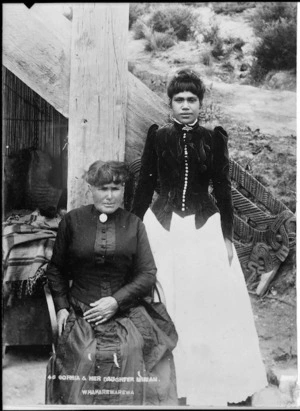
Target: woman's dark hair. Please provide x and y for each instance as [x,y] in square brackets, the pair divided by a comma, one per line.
[186,80]
[101,172]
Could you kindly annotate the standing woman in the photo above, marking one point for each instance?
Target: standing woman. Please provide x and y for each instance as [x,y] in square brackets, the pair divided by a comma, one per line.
[115,345]
[217,358]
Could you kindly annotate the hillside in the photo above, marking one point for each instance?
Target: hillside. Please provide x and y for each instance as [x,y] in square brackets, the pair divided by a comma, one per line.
[261,123]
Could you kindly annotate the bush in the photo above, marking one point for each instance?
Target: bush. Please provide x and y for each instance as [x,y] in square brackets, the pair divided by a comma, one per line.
[159,41]
[177,19]
[218,48]
[257,73]
[139,28]
[136,10]
[277,47]
[211,35]
[275,25]
[271,12]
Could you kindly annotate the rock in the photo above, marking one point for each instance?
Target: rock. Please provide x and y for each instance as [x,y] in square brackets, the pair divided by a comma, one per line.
[268,397]
[282,80]
[287,386]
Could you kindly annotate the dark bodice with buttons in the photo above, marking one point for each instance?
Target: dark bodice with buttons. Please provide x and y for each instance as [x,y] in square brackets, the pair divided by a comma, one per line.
[103,259]
[184,160]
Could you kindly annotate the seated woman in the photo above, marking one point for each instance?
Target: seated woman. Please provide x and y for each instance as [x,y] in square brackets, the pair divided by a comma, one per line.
[115,344]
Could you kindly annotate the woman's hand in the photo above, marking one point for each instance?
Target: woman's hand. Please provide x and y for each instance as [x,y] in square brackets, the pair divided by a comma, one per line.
[229,247]
[62,316]
[102,310]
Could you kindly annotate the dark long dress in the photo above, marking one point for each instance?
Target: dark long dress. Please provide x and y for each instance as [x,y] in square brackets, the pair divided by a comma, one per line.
[128,359]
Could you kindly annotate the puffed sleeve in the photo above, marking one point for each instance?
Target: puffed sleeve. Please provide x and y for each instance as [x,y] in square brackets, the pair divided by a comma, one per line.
[148,176]
[144,272]
[221,180]
[57,278]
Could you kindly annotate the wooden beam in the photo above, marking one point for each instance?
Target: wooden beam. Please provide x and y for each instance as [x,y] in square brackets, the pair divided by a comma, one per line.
[98,91]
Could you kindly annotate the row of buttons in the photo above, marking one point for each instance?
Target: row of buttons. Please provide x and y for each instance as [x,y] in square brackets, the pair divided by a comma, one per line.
[101,259]
[186,173]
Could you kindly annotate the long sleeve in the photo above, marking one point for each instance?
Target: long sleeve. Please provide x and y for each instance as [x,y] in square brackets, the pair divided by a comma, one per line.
[58,282]
[144,272]
[221,180]
[148,176]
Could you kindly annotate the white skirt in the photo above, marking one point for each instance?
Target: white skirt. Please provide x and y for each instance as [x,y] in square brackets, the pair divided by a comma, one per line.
[217,358]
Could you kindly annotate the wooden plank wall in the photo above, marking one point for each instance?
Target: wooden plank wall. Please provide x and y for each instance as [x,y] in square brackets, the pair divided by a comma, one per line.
[29,121]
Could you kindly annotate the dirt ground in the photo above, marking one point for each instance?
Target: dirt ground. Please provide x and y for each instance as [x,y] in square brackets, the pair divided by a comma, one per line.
[24,368]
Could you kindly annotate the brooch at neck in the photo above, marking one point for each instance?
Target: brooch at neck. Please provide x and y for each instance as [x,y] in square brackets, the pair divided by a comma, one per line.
[103,217]
[187,128]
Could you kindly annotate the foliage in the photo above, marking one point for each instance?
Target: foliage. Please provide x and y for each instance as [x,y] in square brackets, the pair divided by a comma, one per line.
[158,41]
[137,10]
[218,48]
[139,28]
[212,34]
[276,26]
[273,11]
[177,19]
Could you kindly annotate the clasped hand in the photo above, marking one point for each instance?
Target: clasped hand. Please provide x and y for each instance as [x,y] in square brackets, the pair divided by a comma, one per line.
[102,310]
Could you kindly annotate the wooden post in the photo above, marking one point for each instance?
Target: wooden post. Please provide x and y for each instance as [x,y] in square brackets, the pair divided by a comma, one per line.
[98,91]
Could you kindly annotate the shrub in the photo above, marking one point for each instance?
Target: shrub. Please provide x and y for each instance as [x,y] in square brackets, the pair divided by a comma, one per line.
[136,10]
[277,47]
[174,18]
[257,73]
[158,41]
[271,12]
[212,34]
[275,25]
[218,48]
[139,28]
